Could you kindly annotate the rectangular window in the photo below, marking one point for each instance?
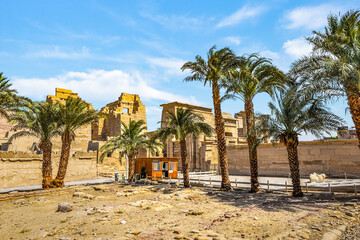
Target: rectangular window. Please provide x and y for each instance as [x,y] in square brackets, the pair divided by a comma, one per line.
[156,166]
[125,110]
[172,167]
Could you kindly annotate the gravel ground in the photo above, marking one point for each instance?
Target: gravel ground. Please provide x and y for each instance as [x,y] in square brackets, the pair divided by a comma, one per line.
[163,211]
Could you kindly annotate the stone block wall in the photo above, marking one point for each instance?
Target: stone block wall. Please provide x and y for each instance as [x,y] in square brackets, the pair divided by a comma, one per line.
[334,158]
[24,168]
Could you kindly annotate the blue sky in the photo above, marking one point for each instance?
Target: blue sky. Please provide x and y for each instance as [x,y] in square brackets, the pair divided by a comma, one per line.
[102,48]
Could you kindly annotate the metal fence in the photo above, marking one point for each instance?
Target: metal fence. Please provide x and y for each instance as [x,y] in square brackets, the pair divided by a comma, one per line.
[345,186]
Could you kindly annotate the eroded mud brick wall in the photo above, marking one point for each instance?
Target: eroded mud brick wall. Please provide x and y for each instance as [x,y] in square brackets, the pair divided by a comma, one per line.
[126,107]
[24,168]
[334,158]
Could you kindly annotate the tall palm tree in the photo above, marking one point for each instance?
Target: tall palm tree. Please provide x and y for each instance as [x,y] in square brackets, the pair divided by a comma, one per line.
[9,100]
[129,141]
[180,124]
[39,120]
[212,72]
[333,68]
[293,113]
[252,75]
[73,114]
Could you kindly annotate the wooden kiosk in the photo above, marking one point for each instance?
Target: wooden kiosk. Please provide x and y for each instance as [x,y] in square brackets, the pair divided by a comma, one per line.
[157,167]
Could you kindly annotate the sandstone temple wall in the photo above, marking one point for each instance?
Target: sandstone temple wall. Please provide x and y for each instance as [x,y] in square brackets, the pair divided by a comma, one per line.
[334,158]
[24,168]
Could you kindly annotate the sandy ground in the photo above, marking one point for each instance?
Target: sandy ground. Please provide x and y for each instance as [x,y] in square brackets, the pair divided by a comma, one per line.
[119,211]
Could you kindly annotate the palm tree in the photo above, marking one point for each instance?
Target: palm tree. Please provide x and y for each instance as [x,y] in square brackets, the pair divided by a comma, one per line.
[333,68]
[182,123]
[129,141]
[74,113]
[39,120]
[212,72]
[253,75]
[295,112]
[9,100]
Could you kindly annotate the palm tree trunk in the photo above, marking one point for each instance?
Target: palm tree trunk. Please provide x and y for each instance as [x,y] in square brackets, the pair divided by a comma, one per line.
[46,148]
[185,163]
[294,169]
[221,142]
[64,160]
[131,158]
[354,105]
[251,139]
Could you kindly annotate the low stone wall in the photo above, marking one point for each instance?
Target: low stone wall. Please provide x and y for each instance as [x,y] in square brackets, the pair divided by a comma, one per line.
[24,168]
[334,158]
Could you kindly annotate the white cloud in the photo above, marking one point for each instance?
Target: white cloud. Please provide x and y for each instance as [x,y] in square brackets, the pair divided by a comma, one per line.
[60,53]
[96,86]
[243,13]
[176,22]
[233,40]
[311,17]
[297,47]
[269,54]
[172,65]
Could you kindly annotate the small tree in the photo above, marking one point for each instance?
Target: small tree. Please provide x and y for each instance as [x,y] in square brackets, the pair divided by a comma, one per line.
[333,68]
[9,100]
[295,112]
[253,75]
[212,72]
[128,142]
[39,120]
[181,124]
[72,115]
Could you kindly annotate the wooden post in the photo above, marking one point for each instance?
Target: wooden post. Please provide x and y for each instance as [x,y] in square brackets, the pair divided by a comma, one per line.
[170,179]
[198,180]
[329,187]
[345,175]
[286,186]
[210,180]
[306,187]
[268,185]
[161,177]
[236,185]
[355,191]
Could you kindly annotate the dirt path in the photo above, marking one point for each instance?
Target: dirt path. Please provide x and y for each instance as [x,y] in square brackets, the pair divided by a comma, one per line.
[169,212]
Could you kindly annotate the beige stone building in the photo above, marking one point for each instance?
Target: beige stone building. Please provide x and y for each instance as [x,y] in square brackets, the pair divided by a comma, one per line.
[202,151]
[82,139]
[127,107]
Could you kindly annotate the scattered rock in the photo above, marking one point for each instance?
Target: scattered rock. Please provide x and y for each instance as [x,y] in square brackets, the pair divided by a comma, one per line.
[136,233]
[20,202]
[351,214]
[350,204]
[41,199]
[150,204]
[83,195]
[65,238]
[314,177]
[64,207]
[79,232]
[303,235]
[190,212]
[180,237]
[316,228]
[256,218]
[123,222]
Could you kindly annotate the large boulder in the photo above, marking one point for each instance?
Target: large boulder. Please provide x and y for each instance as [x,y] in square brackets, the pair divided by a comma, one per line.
[314,177]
